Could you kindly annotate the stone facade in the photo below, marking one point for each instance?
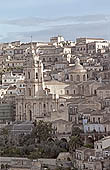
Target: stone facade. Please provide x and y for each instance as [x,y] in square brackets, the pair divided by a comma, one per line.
[36,102]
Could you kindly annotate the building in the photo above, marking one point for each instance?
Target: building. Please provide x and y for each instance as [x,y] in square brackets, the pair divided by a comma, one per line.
[88,40]
[81,157]
[103,92]
[57,39]
[7,113]
[36,103]
[78,74]
[10,78]
[93,47]
[101,145]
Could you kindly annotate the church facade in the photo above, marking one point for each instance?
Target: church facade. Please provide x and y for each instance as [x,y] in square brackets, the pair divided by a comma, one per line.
[36,103]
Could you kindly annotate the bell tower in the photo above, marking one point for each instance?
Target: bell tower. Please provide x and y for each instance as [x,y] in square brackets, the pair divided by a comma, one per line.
[36,103]
[33,71]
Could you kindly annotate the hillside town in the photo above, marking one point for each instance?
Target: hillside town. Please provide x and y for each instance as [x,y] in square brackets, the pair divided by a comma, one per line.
[55,104]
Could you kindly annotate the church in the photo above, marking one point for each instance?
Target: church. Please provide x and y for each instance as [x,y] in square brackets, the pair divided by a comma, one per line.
[36,103]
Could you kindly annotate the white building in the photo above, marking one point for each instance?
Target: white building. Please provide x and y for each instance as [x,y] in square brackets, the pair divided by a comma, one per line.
[57,39]
[93,47]
[102,144]
[94,127]
[88,40]
[10,78]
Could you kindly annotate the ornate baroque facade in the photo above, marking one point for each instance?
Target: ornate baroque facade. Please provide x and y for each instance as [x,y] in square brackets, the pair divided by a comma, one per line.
[36,103]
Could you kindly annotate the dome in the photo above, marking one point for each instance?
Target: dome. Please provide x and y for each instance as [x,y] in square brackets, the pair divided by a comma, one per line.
[78,66]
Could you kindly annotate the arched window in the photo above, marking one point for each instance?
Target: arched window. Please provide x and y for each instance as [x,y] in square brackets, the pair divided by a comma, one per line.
[30,115]
[95,92]
[56,59]
[20,109]
[67,92]
[40,107]
[50,59]
[44,105]
[62,105]
[28,75]
[36,75]
[29,92]
[93,119]
[20,117]
[67,76]
[98,119]
[43,59]
[84,78]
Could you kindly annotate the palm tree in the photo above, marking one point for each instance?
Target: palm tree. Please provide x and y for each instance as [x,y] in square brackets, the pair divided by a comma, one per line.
[74,143]
[76,131]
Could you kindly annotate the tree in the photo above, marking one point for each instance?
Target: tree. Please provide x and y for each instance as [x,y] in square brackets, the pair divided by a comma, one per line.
[42,131]
[26,140]
[5,136]
[76,131]
[89,145]
[74,143]
[34,155]
[64,145]
[5,131]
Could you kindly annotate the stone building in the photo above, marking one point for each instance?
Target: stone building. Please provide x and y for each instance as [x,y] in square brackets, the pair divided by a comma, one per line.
[78,74]
[103,92]
[36,103]
[6,113]
[101,144]
[81,157]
